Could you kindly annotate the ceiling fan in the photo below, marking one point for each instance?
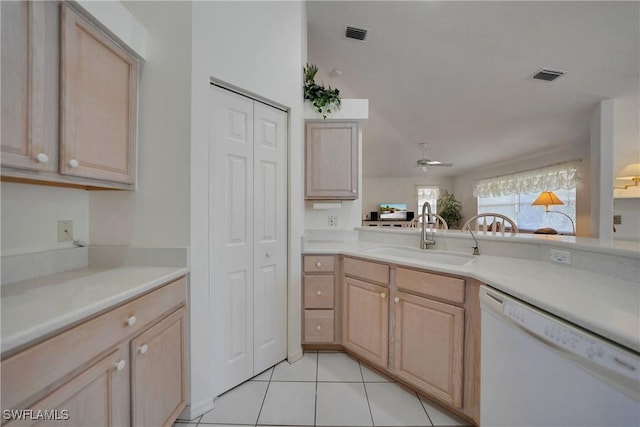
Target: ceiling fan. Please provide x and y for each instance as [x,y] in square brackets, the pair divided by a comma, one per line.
[426,163]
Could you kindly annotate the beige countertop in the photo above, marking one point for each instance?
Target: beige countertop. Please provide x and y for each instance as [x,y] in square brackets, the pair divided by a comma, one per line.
[604,305]
[37,307]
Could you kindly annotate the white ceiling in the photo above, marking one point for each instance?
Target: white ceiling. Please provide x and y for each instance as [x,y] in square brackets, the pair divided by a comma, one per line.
[456,75]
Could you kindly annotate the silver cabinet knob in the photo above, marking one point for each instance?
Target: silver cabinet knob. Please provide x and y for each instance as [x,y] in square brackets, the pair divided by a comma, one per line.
[42,158]
[383,295]
[74,163]
[268,254]
[318,264]
[318,327]
[143,349]
[120,365]
[396,300]
[318,293]
[131,321]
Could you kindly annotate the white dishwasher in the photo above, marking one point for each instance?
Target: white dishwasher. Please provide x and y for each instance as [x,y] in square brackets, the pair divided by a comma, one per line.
[539,370]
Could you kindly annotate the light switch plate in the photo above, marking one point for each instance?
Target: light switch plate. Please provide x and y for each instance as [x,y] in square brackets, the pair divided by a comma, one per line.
[65,231]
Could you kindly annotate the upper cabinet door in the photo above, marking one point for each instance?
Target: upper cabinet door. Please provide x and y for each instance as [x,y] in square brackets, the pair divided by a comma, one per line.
[30,85]
[331,161]
[98,103]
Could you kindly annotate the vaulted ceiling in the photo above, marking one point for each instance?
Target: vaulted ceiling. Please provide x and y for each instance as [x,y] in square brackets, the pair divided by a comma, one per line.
[457,76]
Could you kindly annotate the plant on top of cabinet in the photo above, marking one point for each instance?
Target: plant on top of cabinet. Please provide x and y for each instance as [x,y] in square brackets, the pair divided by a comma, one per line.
[322,98]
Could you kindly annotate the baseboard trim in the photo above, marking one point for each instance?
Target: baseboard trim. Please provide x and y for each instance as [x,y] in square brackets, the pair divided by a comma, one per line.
[294,356]
[192,412]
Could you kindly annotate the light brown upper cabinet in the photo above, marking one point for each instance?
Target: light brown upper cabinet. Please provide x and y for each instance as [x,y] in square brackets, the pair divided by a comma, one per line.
[331,164]
[98,103]
[30,75]
[69,100]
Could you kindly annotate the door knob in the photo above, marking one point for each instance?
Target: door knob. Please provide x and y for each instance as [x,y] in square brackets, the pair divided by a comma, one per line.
[131,321]
[318,327]
[383,295]
[318,264]
[74,163]
[42,158]
[143,349]
[318,293]
[396,300]
[120,365]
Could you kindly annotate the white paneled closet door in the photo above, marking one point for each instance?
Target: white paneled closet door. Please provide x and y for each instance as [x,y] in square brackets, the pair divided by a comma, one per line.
[247,220]
[270,236]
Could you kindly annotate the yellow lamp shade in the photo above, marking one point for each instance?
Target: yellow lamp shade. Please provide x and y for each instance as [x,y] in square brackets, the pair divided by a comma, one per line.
[547,198]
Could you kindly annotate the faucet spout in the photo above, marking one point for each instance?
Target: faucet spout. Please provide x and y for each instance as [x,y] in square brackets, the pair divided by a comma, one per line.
[426,218]
[476,250]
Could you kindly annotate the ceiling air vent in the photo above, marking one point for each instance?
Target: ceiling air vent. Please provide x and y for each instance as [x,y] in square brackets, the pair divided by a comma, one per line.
[548,74]
[356,33]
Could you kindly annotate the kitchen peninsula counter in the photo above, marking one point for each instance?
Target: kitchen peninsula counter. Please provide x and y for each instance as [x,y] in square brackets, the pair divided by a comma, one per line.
[599,302]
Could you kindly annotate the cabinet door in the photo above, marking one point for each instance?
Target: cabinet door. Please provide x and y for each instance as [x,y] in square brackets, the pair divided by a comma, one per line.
[428,342]
[331,160]
[98,103]
[365,320]
[158,388]
[97,397]
[30,85]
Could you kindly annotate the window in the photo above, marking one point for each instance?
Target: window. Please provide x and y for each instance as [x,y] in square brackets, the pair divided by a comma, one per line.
[427,194]
[512,195]
[518,207]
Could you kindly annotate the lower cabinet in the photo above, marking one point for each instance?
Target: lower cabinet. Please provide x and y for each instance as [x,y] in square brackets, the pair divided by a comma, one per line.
[158,372]
[366,317]
[124,367]
[98,396]
[429,344]
[418,326]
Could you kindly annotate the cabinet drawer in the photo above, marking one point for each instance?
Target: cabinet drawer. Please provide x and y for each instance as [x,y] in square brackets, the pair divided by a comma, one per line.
[366,270]
[430,284]
[319,263]
[39,366]
[318,291]
[318,326]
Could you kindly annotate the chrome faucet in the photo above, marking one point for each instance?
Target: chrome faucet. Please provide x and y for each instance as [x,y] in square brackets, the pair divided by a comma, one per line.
[476,250]
[424,242]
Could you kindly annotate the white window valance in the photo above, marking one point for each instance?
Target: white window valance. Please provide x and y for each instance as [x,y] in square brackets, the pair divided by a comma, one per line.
[550,178]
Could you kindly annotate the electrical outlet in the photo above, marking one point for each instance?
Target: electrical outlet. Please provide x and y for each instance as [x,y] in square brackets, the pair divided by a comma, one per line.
[562,257]
[333,220]
[65,231]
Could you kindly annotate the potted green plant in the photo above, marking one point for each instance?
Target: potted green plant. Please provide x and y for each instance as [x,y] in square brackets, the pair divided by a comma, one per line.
[323,99]
[450,209]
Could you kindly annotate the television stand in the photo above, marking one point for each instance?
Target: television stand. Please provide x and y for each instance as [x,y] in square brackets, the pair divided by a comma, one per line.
[390,224]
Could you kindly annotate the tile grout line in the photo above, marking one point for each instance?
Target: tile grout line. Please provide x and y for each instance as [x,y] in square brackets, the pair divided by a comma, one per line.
[264,398]
[364,385]
[315,407]
[424,409]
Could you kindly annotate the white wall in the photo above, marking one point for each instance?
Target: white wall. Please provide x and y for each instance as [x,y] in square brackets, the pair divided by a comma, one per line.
[602,164]
[30,214]
[398,190]
[261,48]
[629,209]
[157,213]
[464,184]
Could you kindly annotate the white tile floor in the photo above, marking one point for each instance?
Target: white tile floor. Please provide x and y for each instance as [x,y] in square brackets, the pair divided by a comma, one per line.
[322,389]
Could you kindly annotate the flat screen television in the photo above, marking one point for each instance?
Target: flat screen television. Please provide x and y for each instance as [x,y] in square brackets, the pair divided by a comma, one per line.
[393,212]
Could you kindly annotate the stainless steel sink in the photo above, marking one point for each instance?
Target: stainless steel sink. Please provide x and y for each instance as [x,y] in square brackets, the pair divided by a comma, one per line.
[427,256]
